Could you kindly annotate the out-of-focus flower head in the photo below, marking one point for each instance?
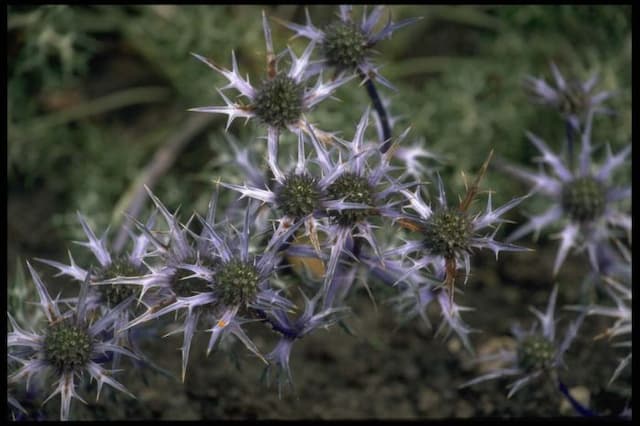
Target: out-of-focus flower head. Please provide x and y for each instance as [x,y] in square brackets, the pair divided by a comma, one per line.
[571,98]
[584,199]
[111,265]
[70,345]
[539,351]
[346,45]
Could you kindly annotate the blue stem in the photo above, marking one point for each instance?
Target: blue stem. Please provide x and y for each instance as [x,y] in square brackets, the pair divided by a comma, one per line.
[580,409]
[382,113]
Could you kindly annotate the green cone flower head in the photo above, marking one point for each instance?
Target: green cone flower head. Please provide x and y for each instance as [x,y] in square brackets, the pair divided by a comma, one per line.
[279,101]
[344,44]
[299,195]
[353,189]
[585,202]
[583,199]
[237,282]
[535,352]
[282,98]
[347,43]
[75,344]
[447,232]
[113,294]
[67,346]
[539,350]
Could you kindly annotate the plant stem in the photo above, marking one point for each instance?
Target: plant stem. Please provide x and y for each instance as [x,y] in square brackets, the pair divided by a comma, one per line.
[382,113]
[580,409]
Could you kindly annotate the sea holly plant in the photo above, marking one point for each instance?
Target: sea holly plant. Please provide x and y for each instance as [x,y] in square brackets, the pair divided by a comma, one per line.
[355,207]
[539,353]
[347,46]
[70,345]
[573,99]
[280,100]
[449,234]
[361,175]
[584,200]
[210,280]
[620,294]
[112,265]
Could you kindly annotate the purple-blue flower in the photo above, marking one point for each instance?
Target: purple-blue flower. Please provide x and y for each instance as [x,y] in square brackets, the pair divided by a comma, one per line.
[583,200]
[346,45]
[218,281]
[539,350]
[449,234]
[573,99]
[70,345]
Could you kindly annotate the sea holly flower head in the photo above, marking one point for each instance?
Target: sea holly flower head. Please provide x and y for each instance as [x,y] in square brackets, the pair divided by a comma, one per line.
[279,101]
[172,248]
[111,265]
[104,292]
[361,180]
[347,45]
[299,195]
[571,98]
[351,188]
[69,346]
[583,199]
[538,353]
[224,289]
[450,233]
[344,44]
[282,98]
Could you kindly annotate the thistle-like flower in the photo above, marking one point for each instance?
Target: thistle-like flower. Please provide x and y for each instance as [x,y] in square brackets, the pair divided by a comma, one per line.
[538,352]
[347,46]
[583,199]
[69,346]
[355,181]
[165,278]
[279,101]
[224,288]
[572,99]
[450,233]
[303,198]
[111,267]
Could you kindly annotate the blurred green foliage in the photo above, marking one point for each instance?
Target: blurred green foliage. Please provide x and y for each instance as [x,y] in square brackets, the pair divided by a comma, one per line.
[95,91]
